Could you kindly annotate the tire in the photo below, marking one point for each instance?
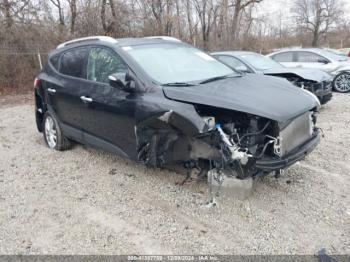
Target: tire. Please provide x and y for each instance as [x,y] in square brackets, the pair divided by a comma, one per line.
[341,82]
[53,135]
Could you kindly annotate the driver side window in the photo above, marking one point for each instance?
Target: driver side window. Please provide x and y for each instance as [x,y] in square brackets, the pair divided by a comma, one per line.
[103,63]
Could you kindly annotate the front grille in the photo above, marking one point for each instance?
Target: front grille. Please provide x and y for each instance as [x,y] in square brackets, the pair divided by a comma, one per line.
[296,133]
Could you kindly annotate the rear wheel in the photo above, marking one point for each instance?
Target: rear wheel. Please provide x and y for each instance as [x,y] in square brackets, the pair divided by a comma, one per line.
[53,135]
[341,82]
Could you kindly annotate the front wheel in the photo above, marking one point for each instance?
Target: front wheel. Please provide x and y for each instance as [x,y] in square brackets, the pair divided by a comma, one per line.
[53,135]
[341,82]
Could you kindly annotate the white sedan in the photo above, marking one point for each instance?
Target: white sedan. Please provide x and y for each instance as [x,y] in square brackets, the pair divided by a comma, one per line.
[336,65]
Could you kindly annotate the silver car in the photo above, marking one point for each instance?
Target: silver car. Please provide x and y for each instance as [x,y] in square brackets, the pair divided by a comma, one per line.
[315,81]
[336,65]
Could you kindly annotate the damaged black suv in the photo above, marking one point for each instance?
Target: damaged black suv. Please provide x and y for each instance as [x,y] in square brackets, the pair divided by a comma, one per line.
[162,102]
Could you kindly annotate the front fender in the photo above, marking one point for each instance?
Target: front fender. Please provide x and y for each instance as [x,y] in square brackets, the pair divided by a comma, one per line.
[341,70]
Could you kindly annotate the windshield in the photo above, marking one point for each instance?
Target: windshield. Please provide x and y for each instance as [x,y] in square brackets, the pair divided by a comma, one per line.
[260,62]
[174,63]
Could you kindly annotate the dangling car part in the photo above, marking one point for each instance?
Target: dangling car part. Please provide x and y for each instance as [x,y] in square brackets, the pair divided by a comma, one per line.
[163,103]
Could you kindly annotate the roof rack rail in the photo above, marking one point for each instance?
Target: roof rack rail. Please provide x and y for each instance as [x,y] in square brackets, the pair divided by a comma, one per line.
[168,38]
[89,38]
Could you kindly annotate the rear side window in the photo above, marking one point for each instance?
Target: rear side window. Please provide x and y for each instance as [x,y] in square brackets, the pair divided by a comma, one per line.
[283,57]
[309,57]
[54,60]
[103,63]
[73,63]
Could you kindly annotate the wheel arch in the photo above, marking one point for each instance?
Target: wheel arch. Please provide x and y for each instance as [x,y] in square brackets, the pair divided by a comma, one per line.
[40,109]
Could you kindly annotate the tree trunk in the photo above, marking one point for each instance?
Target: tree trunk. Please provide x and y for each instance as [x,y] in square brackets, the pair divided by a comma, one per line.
[73,10]
[114,13]
[168,19]
[103,15]
[316,32]
[61,23]
[178,14]
[157,10]
[315,38]
[235,20]
[8,16]
[189,20]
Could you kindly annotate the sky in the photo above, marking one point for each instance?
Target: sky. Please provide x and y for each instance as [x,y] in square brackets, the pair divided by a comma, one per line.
[273,6]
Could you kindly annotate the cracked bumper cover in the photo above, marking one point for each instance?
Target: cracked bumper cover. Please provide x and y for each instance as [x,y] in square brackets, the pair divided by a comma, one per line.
[272,164]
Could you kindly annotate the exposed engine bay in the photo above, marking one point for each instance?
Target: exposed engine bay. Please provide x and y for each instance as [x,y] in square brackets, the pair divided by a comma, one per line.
[232,144]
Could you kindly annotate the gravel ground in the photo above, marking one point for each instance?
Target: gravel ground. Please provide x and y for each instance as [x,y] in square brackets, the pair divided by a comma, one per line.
[85,201]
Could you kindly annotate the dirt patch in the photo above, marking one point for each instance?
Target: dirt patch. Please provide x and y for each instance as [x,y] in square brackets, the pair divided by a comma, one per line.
[14,100]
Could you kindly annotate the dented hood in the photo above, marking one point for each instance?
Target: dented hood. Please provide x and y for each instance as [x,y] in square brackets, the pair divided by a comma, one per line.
[306,74]
[265,96]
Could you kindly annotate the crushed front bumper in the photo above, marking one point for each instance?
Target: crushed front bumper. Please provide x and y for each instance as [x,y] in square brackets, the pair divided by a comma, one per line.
[274,163]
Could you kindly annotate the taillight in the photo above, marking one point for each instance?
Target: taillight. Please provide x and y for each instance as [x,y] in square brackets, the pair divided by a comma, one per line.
[349,54]
[36,82]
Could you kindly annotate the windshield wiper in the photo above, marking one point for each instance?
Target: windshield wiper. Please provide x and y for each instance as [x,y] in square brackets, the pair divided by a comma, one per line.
[218,78]
[179,84]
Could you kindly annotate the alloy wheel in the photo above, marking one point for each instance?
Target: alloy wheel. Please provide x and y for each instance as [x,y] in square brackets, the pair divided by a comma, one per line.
[50,132]
[342,82]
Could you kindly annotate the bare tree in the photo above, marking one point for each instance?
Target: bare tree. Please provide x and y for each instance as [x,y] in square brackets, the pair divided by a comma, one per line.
[58,5]
[73,12]
[12,10]
[110,27]
[207,11]
[188,7]
[6,8]
[317,16]
[103,15]
[162,11]
[239,6]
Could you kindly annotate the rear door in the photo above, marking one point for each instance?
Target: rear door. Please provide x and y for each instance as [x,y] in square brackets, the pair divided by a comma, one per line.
[288,59]
[64,92]
[312,60]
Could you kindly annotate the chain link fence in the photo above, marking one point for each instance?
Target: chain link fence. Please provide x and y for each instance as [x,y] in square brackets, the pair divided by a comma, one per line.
[18,67]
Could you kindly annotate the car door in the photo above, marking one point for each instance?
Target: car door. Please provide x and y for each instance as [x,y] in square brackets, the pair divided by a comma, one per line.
[308,59]
[64,90]
[108,115]
[234,63]
[286,58]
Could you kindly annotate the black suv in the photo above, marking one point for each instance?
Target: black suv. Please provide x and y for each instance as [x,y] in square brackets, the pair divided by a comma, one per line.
[162,102]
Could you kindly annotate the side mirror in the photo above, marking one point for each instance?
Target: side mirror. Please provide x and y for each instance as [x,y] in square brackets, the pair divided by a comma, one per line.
[322,61]
[122,81]
[242,69]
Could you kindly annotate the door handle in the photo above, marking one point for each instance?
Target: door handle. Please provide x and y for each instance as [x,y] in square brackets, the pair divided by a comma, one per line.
[86,99]
[51,90]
